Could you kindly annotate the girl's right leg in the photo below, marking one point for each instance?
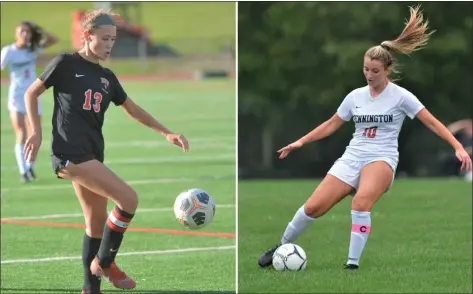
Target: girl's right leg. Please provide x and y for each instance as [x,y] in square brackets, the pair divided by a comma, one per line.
[97,178]
[330,191]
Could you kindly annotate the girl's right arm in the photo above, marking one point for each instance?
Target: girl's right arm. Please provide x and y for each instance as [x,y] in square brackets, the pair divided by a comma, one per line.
[324,130]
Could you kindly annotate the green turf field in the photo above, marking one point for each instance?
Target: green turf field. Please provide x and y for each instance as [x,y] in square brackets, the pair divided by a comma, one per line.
[159,260]
[185,26]
[421,240]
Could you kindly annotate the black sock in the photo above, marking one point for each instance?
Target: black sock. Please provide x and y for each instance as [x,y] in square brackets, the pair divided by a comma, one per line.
[90,248]
[115,227]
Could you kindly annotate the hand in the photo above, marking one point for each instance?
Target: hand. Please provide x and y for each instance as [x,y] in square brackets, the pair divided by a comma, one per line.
[465,159]
[31,148]
[284,152]
[178,140]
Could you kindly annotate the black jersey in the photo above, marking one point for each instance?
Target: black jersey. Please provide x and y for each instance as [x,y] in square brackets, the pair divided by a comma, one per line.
[83,91]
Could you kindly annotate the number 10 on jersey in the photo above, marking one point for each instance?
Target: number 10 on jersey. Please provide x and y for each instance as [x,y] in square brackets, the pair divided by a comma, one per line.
[370,132]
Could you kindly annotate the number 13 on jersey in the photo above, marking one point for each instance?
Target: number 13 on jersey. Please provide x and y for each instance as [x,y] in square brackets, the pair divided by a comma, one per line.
[97,100]
[370,132]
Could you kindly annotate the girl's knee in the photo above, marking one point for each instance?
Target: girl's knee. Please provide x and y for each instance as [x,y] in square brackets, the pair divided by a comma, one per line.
[314,209]
[129,201]
[361,203]
[20,135]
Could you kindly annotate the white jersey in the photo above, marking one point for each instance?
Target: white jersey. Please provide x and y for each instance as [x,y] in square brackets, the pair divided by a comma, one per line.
[21,64]
[378,121]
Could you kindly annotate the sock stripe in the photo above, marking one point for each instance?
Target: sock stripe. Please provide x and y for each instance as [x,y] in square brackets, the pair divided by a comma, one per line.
[123,213]
[362,229]
[115,227]
[118,216]
[118,222]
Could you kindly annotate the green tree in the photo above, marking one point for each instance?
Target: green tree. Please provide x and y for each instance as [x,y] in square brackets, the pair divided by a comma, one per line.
[297,61]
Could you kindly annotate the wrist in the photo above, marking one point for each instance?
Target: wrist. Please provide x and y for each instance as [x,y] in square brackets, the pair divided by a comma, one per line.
[302,141]
[457,146]
[36,132]
[165,132]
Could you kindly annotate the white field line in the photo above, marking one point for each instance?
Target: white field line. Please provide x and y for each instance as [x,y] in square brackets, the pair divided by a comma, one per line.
[146,160]
[78,214]
[164,252]
[132,183]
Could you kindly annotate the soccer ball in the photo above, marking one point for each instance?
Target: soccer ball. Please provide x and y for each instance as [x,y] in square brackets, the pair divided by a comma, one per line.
[194,209]
[289,257]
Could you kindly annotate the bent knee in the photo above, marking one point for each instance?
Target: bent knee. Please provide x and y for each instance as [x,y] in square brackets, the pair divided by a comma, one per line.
[361,203]
[129,200]
[314,209]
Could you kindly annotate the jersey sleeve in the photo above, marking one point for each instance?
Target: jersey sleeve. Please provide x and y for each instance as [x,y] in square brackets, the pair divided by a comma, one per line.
[344,110]
[119,94]
[410,105]
[4,60]
[52,73]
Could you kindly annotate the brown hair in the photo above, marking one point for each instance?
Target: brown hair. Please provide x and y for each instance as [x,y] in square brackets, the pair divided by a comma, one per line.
[414,37]
[90,17]
[36,35]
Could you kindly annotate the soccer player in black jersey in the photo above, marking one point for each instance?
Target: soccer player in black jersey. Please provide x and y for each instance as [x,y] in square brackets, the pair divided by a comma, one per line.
[83,90]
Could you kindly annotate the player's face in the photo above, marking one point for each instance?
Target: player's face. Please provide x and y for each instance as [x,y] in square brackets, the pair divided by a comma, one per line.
[101,41]
[374,72]
[22,35]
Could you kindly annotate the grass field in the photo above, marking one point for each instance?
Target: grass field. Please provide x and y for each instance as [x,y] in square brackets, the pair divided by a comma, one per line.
[158,252]
[183,25]
[421,240]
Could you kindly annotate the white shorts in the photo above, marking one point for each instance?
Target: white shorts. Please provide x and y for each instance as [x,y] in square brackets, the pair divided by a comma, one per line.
[18,104]
[349,171]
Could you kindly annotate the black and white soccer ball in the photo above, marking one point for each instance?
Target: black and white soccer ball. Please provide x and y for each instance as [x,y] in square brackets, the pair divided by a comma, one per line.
[194,209]
[289,257]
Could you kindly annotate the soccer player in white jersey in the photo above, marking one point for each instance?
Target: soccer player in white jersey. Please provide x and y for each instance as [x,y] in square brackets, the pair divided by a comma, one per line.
[366,170]
[20,58]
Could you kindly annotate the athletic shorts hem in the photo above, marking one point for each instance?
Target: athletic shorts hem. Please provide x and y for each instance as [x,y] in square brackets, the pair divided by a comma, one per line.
[343,180]
[348,171]
[61,161]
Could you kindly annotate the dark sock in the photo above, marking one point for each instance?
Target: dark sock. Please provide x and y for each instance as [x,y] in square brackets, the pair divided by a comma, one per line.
[115,227]
[90,248]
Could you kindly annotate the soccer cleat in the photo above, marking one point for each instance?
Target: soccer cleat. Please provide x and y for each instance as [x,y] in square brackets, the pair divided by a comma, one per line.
[83,292]
[351,266]
[266,259]
[24,178]
[31,174]
[113,275]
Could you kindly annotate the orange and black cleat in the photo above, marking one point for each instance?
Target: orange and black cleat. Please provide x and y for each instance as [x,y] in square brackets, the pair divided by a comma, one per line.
[113,275]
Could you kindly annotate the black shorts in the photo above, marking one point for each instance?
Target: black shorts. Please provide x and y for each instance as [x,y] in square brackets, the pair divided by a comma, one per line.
[60,161]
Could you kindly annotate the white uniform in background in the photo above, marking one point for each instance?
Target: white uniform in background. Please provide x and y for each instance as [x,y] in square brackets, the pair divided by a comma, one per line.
[21,64]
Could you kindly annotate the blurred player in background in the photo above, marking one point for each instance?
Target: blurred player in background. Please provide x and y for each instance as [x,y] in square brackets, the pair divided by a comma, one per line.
[20,58]
[83,91]
[463,131]
[367,168]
